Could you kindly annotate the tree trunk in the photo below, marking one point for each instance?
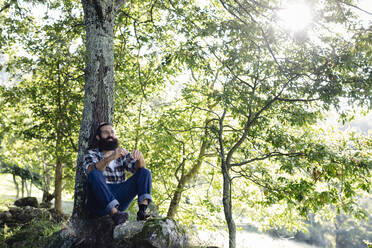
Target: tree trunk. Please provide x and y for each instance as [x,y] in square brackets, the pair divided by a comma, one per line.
[58,170]
[227,206]
[28,187]
[23,187]
[226,197]
[16,185]
[99,84]
[58,186]
[186,178]
[46,184]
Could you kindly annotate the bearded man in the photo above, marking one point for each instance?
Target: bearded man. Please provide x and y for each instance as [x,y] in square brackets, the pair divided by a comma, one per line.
[108,191]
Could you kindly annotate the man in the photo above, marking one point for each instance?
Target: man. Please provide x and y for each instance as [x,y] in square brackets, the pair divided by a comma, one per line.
[108,192]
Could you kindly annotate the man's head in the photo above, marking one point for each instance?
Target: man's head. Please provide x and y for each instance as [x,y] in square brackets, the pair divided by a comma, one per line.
[106,137]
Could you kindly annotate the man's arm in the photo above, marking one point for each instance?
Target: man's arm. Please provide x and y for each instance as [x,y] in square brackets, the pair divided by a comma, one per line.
[133,161]
[111,155]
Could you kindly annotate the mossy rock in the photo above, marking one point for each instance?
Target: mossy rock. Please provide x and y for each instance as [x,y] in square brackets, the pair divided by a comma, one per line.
[100,232]
[32,235]
[160,233]
[27,201]
[3,244]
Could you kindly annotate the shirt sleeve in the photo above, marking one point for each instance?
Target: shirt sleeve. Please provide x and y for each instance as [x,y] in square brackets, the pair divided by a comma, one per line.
[90,158]
[129,163]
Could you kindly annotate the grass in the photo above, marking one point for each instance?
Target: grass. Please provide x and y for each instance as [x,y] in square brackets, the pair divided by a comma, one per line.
[8,194]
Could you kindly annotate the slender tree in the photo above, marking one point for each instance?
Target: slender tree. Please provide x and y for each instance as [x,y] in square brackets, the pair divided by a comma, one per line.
[267,84]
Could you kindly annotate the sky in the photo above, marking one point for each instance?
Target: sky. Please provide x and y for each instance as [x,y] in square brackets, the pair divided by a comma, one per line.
[362,124]
[367,6]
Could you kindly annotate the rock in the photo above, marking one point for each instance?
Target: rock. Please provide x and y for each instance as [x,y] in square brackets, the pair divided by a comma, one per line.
[5,215]
[154,233]
[4,218]
[101,232]
[94,232]
[26,214]
[128,230]
[18,215]
[27,201]
[45,205]
[3,244]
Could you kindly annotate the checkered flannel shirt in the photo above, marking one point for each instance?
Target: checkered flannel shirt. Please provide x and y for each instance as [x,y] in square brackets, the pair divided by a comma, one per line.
[122,164]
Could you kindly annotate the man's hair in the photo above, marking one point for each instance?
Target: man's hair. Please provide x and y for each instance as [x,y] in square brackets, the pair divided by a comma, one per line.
[98,131]
[94,141]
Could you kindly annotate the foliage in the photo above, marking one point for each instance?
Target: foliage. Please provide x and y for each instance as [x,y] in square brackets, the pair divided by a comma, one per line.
[25,174]
[46,73]
[34,234]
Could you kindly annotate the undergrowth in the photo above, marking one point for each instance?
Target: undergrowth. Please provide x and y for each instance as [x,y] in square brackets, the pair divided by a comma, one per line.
[33,234]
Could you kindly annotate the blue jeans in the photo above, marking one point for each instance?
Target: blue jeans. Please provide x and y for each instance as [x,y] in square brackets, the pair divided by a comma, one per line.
[102,197]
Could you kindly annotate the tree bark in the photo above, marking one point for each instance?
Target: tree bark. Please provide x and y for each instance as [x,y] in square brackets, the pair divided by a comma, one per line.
[16,185]
[186,178]
[46,183]
[227,206]
[99,84]
[58,171]
[23,187]
[226,194]
[28,187]
[58,186]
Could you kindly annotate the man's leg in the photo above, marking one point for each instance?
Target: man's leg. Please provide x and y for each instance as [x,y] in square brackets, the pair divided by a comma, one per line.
[100,200]
[139,184]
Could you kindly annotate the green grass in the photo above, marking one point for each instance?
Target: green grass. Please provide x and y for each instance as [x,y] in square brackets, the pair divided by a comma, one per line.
[8,194]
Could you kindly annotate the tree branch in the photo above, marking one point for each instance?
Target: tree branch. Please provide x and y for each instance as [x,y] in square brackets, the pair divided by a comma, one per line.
[220,138]
[297,100]
[269,155]
[224,4]
[230,70]
[118,4]
[6,6]
[356,7]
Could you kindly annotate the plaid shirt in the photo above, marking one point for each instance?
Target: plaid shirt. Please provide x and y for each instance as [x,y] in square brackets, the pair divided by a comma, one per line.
[117,175]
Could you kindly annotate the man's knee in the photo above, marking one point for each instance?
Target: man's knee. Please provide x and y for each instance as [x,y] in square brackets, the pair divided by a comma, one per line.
[144,172]
[95,175]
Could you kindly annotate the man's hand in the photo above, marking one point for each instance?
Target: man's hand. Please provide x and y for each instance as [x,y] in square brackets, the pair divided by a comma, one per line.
[137,155]
[108,157]
[115,154]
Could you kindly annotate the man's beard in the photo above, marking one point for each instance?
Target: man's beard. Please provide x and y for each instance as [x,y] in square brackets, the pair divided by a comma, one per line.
[108,145]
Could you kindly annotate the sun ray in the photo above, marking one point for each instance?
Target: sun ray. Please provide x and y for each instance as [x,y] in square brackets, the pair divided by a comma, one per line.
[295,16]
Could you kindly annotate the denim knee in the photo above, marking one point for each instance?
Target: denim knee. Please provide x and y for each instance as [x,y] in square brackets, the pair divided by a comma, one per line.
[95,175]
[144,171]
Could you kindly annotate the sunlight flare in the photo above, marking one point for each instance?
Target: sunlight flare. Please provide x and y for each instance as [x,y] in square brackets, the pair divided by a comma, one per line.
[295,16]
